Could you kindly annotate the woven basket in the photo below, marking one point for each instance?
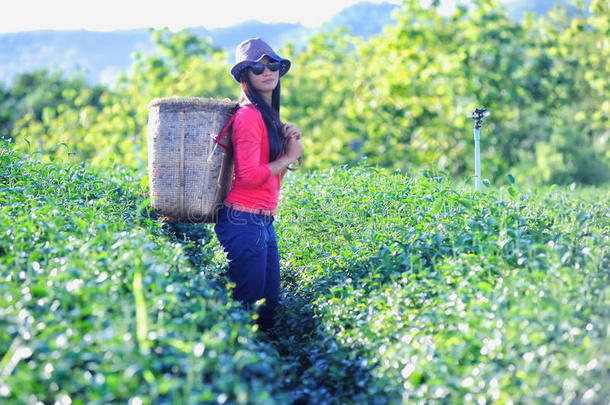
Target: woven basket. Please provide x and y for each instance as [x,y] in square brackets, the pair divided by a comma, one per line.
[189,174]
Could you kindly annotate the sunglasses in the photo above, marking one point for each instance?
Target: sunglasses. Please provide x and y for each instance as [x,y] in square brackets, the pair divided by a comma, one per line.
[259,67]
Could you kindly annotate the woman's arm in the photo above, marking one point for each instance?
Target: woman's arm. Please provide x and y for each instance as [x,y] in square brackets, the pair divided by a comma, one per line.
[248,130]
[294,149]
[280,164]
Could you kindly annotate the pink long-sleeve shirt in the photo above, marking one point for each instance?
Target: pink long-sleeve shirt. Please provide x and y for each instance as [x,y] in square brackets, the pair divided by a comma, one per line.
[254,185]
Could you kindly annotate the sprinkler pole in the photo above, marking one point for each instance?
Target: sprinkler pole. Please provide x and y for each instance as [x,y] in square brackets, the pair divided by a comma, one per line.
[477,157]
[478,116]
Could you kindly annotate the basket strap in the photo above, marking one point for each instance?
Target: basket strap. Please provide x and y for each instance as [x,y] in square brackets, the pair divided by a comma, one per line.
[224,130]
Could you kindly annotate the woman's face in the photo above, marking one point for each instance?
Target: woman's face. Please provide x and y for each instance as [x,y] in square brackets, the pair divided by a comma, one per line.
[266,81]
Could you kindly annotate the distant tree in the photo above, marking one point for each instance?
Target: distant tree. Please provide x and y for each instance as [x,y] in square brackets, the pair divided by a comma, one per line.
[108,126]
[37,96]
[315,93]
[398,99]
[402,99]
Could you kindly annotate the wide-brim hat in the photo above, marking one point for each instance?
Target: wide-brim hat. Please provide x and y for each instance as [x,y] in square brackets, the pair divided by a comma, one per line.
[253,50]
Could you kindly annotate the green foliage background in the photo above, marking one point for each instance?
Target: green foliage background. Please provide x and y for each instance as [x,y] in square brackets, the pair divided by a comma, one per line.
[399,99]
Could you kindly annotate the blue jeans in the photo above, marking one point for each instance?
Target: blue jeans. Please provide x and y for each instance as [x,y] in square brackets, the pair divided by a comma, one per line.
[250,246]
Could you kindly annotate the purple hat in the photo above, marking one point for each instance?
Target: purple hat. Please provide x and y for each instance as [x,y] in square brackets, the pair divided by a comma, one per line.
[253,50]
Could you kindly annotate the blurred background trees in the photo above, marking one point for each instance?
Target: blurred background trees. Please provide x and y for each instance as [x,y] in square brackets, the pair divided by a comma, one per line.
[398,99]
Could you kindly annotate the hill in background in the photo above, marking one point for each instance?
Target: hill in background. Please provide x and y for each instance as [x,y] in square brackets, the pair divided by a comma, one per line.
[103,55]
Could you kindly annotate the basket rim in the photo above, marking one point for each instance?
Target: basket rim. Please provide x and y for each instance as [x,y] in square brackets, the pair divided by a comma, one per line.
[192,101]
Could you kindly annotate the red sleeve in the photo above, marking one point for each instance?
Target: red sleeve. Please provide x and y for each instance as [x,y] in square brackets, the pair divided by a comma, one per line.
[248,131]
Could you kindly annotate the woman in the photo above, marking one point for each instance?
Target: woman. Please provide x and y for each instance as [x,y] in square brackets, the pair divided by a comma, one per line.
[263,148]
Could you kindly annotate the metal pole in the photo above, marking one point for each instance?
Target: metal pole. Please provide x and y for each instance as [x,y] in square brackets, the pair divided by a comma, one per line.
[478,115]
[477,158]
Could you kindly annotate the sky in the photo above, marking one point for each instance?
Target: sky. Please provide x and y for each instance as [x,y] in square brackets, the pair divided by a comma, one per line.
[110,15]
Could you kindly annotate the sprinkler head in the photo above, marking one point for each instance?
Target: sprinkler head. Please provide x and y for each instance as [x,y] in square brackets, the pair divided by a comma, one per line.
[478,115]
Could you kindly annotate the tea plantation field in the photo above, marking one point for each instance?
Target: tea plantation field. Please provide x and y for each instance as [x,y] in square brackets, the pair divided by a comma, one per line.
[395,289]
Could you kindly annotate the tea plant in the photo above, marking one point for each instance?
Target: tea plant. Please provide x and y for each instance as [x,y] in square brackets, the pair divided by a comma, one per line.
[100,303]
[436,295]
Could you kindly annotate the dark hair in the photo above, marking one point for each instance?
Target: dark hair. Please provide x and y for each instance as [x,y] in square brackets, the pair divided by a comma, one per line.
[271,114]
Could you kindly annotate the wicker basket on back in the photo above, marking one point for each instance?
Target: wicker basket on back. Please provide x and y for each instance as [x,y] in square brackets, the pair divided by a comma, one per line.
[189,174]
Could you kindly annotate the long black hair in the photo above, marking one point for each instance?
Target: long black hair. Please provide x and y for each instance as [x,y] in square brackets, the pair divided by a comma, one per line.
[270,113]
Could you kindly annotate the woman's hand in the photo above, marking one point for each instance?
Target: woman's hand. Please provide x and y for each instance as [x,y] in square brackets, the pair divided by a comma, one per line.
[293,145]
[291,131]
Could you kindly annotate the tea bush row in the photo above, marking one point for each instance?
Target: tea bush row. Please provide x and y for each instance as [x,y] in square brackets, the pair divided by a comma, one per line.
[432,295]
[100,304]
